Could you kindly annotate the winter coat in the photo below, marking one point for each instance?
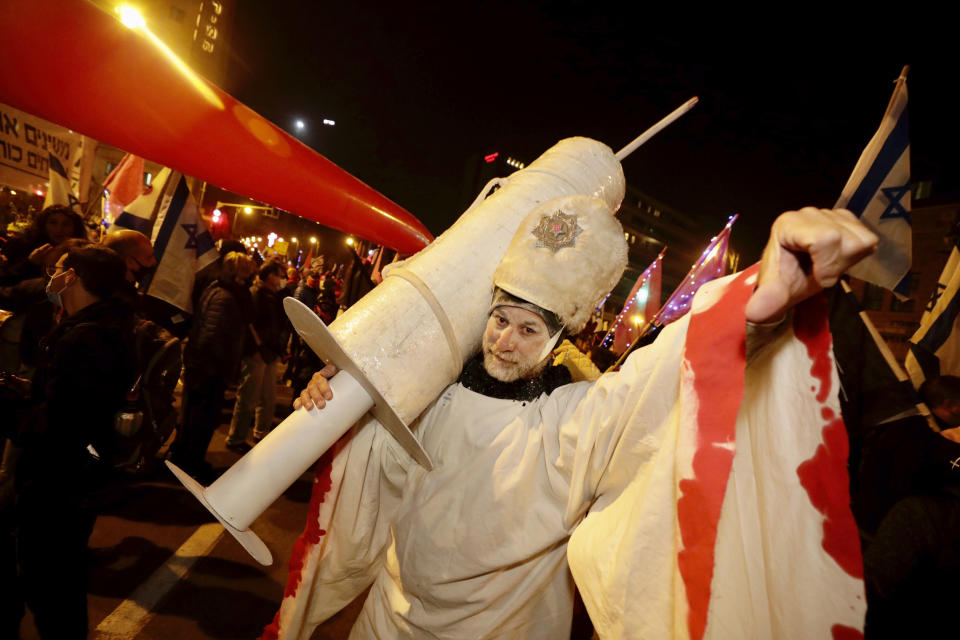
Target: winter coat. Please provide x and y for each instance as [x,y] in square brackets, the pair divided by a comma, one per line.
[269,321]
[86,367]
[215,344]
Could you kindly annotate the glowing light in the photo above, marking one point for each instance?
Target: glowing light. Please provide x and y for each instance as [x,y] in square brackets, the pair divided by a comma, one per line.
[12,192]
[39,192]
[300,125]
[130,17]
[247,210]
[313,239]
[350,241]
[293,239]
[271,239]
[328,122]
[491,157]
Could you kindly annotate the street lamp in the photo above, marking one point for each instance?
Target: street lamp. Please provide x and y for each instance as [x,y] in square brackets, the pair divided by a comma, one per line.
[130,17]
[299,124]
[313,239]
[248,210]
[350,241]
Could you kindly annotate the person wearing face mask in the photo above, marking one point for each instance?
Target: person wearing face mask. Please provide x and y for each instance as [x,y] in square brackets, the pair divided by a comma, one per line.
[257,393]
[137,253]
[65,432]
[211,359]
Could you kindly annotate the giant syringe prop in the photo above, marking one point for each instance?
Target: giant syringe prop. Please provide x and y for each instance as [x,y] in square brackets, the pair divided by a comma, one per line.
[399,346]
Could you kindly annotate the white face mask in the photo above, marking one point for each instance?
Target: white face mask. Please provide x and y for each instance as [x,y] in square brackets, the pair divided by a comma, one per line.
[56,297]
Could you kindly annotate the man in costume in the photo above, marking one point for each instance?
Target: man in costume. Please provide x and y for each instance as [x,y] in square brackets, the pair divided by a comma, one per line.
[526,465]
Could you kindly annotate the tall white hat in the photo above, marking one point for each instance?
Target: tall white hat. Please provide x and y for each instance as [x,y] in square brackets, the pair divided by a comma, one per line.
[567,254]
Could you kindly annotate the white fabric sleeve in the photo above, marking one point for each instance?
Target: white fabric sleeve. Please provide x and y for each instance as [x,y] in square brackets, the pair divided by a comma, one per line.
[593,419]
[369,471]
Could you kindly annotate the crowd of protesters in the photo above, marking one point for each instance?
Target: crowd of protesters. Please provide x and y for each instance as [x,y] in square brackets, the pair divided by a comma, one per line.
[70,308]
[72,316]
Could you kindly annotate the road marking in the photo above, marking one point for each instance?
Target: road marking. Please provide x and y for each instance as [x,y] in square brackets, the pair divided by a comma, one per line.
[132,615]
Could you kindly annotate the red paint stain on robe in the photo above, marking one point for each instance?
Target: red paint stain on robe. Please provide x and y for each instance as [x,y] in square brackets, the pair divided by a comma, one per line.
[311,535]
[841,632]
[824,476]
[716,353]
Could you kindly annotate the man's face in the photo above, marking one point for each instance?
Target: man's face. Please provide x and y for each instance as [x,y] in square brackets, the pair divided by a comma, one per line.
[512,343]
[141,261]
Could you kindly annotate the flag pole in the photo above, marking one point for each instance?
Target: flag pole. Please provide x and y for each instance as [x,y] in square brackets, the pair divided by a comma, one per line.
[889,358]
[629,349]
[901,79]
[657,128]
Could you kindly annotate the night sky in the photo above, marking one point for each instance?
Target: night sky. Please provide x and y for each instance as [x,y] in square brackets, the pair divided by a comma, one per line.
[418,91]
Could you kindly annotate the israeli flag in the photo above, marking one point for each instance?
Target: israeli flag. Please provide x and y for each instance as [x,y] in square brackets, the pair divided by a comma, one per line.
[140,214]
[60,191]
[182,245]
[935,347]
[878,192]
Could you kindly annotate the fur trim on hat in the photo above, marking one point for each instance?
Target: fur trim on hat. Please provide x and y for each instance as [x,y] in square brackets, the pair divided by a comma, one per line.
[568,253]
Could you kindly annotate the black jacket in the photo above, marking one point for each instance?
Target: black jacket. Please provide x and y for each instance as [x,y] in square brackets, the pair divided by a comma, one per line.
[269,321]
[86,367]
[215,344]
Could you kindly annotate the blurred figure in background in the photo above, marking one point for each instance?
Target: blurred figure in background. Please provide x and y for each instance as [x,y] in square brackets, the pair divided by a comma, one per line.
[211,360]
[257,393]
[24,257]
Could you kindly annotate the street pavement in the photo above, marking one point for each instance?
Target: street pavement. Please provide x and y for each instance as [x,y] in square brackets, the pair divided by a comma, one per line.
[162,567]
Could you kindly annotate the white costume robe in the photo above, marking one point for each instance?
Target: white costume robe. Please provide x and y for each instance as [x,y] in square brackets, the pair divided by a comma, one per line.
[635,467]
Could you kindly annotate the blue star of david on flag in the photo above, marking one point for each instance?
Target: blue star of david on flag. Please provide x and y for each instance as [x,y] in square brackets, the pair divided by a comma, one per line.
[201,242]
[894,208]
[878,193]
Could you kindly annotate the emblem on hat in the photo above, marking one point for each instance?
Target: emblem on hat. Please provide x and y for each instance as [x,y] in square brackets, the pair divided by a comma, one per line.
[557,231]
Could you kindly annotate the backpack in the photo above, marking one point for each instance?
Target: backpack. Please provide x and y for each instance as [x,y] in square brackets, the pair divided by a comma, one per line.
[149,416]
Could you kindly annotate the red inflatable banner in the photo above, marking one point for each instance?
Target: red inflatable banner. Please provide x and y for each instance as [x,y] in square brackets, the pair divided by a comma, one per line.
[75,65]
